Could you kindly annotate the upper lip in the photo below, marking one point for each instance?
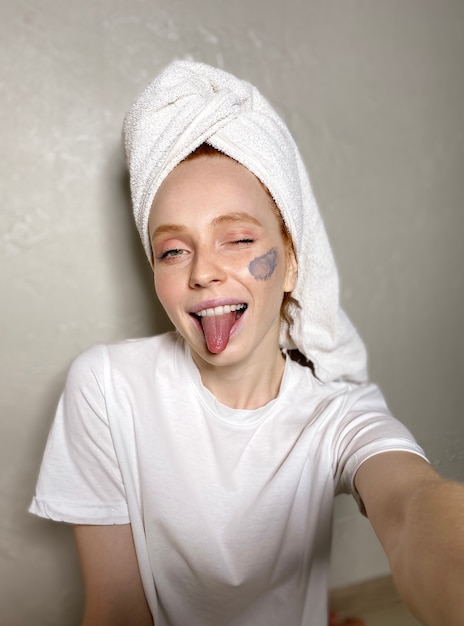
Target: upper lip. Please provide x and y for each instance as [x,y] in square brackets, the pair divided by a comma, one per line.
[210,304]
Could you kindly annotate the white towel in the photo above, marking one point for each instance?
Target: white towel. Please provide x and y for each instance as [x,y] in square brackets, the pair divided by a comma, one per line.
[192,103]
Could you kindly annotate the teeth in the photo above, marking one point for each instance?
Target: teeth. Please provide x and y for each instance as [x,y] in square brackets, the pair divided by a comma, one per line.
[220,310]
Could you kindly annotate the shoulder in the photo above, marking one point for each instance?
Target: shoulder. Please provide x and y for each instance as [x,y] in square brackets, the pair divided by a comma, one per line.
[131,359]
[122,352]
[339,397]
[353,419]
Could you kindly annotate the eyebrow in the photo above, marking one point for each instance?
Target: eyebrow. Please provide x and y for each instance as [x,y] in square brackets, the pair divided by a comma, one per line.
[168,228]
[227,218]
[237,216]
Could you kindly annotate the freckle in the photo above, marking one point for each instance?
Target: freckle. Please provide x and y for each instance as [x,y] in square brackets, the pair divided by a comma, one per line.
[263,266]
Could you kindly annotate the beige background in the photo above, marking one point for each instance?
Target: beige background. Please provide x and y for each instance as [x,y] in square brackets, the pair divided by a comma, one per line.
[373,92]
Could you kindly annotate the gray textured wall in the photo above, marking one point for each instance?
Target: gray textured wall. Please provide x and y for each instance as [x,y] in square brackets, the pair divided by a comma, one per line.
[373,93]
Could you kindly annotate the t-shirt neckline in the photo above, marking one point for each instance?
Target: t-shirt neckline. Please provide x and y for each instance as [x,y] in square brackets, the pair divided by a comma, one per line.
[222,411]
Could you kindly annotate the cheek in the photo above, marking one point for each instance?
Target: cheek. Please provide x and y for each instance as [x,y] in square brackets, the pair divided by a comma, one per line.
[164,289]
[263,267]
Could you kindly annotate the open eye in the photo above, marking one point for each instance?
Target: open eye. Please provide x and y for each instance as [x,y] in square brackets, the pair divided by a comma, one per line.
[171,254]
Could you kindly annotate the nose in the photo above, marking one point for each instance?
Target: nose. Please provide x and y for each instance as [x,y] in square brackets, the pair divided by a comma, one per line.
[206,268]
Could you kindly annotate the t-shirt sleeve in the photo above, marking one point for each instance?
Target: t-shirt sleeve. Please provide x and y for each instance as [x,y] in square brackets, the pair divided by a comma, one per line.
[367,428]
[80,481]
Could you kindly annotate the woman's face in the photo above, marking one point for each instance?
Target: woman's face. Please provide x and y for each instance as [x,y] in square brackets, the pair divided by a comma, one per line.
[221,266]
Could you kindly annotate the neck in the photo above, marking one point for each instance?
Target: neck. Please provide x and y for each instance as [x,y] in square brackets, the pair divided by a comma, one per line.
[246,386]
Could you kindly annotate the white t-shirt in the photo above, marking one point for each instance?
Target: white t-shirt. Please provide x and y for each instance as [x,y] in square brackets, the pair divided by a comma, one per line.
[231,510]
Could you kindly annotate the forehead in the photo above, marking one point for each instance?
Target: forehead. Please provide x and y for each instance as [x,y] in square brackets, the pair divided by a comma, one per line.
[207,183]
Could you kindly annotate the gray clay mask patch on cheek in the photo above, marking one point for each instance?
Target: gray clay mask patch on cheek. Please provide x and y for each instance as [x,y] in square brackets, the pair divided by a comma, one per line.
[263,266]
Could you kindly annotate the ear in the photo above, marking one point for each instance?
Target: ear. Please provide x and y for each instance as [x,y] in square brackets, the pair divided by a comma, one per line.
[291,270]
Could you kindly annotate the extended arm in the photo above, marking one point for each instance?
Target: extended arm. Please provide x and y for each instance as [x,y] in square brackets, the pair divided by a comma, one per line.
[113,587]
[419,519]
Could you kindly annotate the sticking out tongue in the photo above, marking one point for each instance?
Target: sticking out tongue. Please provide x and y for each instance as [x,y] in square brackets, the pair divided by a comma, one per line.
[217,330]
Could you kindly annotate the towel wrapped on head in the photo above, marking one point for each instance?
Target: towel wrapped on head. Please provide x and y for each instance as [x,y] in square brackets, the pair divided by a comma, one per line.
[191,103]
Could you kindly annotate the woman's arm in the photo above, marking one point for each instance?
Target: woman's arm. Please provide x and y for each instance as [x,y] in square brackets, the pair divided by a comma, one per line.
[114,593]
[419,519]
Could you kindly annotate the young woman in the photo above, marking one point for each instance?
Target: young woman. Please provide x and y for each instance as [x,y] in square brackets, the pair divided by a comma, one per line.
[200,466]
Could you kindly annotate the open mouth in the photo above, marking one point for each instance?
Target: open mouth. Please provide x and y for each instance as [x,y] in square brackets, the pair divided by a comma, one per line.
[238,309]
[217,323]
